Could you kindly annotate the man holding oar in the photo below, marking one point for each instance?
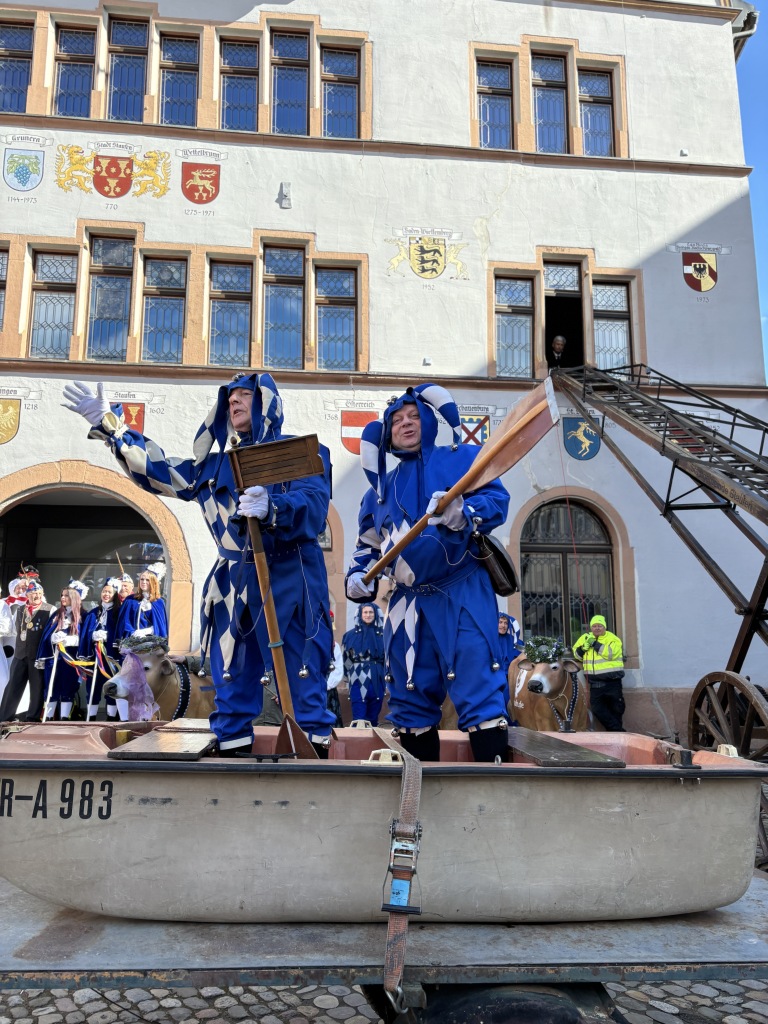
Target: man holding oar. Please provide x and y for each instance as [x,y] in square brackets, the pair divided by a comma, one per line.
[248,411]
[441,627]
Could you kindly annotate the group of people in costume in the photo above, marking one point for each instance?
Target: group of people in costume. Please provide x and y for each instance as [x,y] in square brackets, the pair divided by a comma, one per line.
[54,649]
[442,636]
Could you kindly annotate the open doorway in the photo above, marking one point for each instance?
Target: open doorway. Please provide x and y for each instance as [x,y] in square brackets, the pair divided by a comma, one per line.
[76,533]
[563,313]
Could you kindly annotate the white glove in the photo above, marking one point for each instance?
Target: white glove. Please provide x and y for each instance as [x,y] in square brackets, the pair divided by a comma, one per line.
[58,637]
[147,631]
[99,635]
[254,503]
[357,589]
[71,640]
[79,398]
[453,515]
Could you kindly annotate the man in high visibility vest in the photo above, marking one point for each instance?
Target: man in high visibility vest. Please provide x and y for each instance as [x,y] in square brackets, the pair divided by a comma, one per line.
[602,658]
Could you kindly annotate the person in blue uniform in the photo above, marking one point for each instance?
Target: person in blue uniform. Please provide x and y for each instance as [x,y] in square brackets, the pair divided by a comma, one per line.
[144,613]
[61,679]
[292,515]
[510,643]
[441,630]
[363,648]
[100,627]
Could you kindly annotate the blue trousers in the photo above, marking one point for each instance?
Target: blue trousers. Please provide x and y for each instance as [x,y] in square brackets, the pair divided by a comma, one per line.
[367,707]
[239,700]
[477,691]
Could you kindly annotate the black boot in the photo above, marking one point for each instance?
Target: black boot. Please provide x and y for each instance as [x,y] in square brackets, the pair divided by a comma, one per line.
[487,744]
[244,750]
[425,747]
[322,750]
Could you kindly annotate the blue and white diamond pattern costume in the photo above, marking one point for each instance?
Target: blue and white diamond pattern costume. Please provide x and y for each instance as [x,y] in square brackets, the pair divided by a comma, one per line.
[233,628]
[441,632]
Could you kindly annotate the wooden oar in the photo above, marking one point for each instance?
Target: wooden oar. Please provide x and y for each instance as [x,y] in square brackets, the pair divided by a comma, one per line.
[277,462]
[518,432]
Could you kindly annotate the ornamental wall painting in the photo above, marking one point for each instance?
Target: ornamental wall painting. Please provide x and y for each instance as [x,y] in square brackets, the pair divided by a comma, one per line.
[429,252]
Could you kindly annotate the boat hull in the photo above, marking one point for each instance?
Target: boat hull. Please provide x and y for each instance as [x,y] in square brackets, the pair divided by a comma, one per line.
[309,842]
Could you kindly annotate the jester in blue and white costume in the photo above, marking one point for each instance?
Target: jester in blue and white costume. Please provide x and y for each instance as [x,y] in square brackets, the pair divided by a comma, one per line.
[510,644]
[233,627]
[363,647]
[441,631]
[100,628]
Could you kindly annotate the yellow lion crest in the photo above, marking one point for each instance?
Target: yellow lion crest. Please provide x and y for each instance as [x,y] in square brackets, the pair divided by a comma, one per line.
[152,174]
[74,168]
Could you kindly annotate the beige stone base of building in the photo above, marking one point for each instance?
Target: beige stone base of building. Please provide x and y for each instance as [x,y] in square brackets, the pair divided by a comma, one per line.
[661,711]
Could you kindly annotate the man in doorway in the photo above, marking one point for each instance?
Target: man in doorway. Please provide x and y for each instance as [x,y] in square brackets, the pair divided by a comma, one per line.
[556,353]
[233,627]
[441,632]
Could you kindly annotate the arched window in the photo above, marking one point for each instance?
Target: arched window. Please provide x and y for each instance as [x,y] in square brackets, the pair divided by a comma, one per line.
[564,585]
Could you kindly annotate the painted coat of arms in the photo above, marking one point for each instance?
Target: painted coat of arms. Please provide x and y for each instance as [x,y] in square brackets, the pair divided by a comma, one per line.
[112,175]
[23,169]
[428,252]
[352,423]
[10,414]
[200,183]
[133,413]
[581,440]
[475,429]
[700,270]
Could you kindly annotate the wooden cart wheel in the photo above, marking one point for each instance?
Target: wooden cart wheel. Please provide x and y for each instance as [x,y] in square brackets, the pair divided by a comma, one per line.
[727,708]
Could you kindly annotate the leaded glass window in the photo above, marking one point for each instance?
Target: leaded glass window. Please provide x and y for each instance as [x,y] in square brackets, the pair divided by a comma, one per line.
[75,55]
[336,301]
[290,84]
[611,314]
[127,69]
[164,301]
[566,571]
[494,104]
[178,80]
[239,86]
[513,314]
[283,308]
[3,279]
[550,103]
[110,298]
[596,112]
[15,66]
[53,305]
[340,74]
[230,334]
[562,277]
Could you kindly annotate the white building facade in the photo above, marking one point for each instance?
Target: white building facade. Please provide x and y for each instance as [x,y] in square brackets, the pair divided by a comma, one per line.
[357,197]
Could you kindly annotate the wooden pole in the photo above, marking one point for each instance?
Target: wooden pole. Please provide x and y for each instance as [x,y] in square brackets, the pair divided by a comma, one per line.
[500,452]
[270,614]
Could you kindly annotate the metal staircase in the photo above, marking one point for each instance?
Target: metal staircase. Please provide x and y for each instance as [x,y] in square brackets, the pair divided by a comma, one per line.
[721,452]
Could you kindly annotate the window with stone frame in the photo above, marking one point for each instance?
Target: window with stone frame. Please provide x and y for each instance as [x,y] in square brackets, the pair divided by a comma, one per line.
[513,320]
[16,40]
[109,306]
[239,85]
[340,77]
[128,41]
[179,59]
[53,304]
[494,104]
[290,83]
[165,292]
[75,64]
[284,293]
[596,112]
[3,282]
[230,322]
[550,103]
[612,324]
[336,310]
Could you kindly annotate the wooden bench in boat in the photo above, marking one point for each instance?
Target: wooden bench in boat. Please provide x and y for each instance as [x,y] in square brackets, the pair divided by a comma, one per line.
[167,744]
[552,752]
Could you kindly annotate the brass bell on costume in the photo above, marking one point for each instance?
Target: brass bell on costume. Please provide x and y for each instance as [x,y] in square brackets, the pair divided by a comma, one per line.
[410,685]
[495,666]
[227,676]
[450,675]
[201,673]
[303,672]
[388,677]
[264,680]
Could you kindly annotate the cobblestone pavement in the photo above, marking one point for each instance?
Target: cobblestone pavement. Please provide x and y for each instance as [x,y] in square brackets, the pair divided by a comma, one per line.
[676,1002]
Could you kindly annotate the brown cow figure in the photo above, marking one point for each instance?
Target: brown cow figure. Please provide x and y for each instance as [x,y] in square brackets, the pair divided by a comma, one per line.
[177,692]
[544,696]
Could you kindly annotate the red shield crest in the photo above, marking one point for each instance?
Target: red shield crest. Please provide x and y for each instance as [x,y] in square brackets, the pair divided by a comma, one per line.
[112,175]
[133,413]
[352,423]
[200,182]
[700,270]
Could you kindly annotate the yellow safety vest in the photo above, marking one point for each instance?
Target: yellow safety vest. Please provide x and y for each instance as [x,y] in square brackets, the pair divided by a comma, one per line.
[609,658]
